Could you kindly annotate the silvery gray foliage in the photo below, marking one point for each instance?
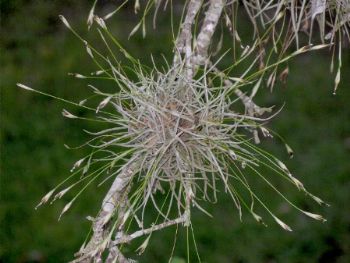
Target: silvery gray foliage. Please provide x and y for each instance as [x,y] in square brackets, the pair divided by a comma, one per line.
[176,131]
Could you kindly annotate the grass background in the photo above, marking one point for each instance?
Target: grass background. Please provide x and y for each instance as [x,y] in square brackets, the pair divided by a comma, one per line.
[36,49]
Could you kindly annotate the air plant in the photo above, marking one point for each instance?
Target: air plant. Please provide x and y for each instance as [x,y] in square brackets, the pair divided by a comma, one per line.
[176,131]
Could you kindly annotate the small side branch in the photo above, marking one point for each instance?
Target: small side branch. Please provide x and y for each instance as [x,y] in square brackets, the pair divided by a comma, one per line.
[251,108]
[142,232]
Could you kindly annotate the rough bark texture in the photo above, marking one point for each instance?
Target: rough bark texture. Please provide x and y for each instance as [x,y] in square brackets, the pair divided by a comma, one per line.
[211,20]
[184,41]
[115,199]
[186,28]
[142,232]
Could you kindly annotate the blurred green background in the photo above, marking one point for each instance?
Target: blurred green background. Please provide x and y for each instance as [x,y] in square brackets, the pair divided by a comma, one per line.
[37,50]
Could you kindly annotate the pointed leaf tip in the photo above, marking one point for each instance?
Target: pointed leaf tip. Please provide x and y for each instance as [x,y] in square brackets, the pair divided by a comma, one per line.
[62,193]
[45,198]
[65,22]
[282,224]
[137,6]
[65,209]
[143,246]
[90,19]
[22,86]
[100,22]
[103,103]
[67,114]
[315,216]
[88,49]
[77,164]
[289,151]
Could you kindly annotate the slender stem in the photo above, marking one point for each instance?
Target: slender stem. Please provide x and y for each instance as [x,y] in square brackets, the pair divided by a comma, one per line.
[142,232]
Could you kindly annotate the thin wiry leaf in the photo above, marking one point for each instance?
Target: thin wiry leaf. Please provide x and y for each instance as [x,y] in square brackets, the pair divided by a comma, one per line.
[65,209]
[20,85]
[69,115]
[46,198]
[282,224]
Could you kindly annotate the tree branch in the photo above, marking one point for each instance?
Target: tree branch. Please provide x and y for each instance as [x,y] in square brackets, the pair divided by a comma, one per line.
[142,232]
[204,39]
[186,28]
[251,108]
[116,196]
[183,43]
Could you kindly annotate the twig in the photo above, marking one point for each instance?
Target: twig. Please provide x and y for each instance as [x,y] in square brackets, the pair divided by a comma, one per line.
[139,233]
[251,108]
